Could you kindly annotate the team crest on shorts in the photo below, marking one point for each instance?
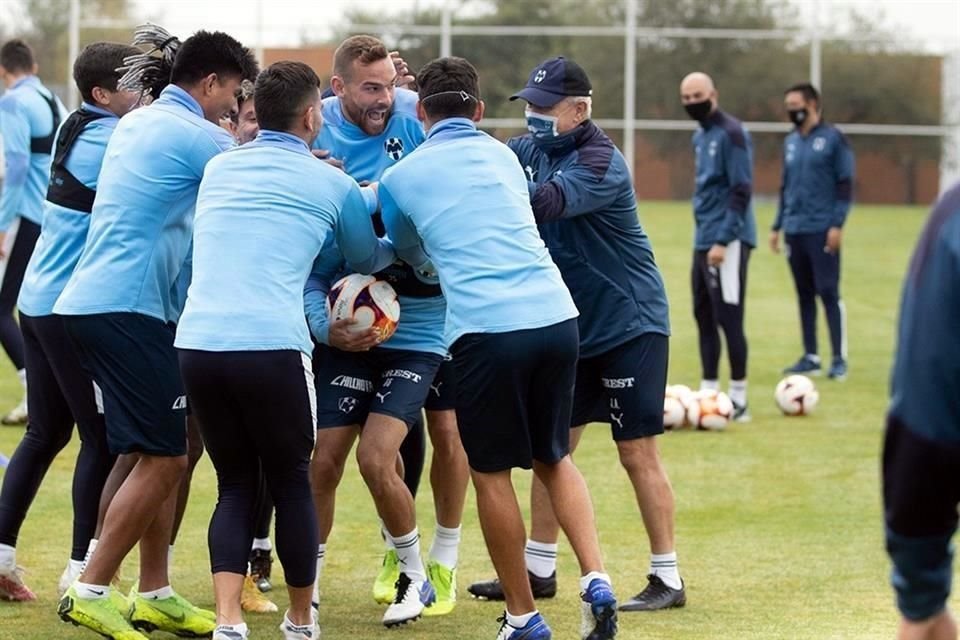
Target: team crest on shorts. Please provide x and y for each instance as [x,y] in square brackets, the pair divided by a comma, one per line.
[347,404]
[394,148]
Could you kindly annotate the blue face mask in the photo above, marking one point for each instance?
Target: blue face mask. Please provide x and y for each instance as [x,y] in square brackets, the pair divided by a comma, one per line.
[541,127]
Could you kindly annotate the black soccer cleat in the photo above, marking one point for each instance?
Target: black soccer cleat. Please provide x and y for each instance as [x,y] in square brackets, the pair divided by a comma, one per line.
[491,590]
[656,596]
[261,562]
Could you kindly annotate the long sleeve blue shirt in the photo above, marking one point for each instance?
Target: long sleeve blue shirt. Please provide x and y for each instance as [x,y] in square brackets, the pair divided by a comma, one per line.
[723,195]
[64,230]
[25,114]
[264,212]
[142,220]
[817,185]
[365,158]
[583,198]
[461,201]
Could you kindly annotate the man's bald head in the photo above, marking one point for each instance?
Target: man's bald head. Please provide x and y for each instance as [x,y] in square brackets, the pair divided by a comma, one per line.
[698,95]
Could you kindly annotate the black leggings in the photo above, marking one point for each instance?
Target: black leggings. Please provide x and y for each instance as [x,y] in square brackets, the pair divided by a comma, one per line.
[255,413]
[16,266]
[61,393]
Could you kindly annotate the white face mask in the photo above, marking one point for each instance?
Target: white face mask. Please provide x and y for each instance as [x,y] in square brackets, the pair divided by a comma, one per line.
[540,126]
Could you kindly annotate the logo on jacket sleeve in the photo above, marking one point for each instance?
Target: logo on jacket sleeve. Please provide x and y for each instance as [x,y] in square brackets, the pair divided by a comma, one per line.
[394,148]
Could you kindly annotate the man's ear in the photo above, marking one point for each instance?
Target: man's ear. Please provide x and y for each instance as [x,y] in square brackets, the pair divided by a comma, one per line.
[421,112]
[209,83]
[101,96]
[337,84]
[478,112]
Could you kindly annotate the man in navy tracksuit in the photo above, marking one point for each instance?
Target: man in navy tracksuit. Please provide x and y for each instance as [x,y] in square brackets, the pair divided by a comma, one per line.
[921,452]
[583,200]
[815,197]
[725,234]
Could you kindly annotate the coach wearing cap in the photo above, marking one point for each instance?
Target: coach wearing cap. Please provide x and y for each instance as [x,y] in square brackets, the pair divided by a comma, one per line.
[583,200]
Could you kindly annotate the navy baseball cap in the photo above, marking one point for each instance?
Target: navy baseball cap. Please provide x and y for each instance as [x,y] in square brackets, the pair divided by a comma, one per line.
[553,80]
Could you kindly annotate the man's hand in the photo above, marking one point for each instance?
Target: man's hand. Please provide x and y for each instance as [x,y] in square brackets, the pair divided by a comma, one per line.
[775,241]
[716,254]
[324,155]
[343,336]
[404,77]
[940,627]
[834,240]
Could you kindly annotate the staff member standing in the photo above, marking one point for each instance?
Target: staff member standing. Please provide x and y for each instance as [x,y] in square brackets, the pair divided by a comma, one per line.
[725,234]
[815,197]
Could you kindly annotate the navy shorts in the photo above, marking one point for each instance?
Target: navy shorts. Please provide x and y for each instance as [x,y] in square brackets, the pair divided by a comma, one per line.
[132,359]
[392,382]
[624,387]
[443,390]
[515,395]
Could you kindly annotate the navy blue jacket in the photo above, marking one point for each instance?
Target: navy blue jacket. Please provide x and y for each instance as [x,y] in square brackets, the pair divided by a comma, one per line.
[722,199]
[584,203]
[816,188]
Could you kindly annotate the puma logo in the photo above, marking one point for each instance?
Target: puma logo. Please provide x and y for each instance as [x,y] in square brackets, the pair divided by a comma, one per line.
[383,396]
[618,418]
[436,388]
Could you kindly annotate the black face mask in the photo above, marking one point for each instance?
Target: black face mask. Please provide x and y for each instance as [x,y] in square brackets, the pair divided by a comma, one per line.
[797,116]
[698,110]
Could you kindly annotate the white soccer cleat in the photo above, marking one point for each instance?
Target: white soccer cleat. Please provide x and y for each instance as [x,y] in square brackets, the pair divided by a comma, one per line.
[299,632]
[68,577]
[413,596]
[17,415]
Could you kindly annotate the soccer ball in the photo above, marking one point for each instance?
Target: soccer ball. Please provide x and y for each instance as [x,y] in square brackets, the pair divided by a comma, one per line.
[796,395]
[676,400]
[710,410]
[371,302]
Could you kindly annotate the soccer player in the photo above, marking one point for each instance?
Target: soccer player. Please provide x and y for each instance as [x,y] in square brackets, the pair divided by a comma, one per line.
[369,126]
[462,199]
[815,196]
[61,392]
[582,196]
[29,117]
[121,305]
[725,234]
[922,445]
[264,212]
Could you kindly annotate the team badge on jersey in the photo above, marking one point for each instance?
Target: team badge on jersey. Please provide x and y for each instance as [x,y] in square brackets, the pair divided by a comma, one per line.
[394,148]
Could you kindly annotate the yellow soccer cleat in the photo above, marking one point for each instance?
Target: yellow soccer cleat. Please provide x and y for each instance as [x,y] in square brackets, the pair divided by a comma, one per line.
[100,616]
[174,615]
[385,586]
[252,600]
[445,583]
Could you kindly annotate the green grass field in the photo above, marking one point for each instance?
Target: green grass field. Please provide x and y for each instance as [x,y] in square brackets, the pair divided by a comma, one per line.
[778,521]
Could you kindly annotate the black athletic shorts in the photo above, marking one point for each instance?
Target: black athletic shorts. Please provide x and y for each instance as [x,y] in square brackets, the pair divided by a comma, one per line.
[443,390]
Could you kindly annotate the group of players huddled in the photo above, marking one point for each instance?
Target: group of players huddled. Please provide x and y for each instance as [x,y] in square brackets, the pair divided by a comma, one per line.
[196,212]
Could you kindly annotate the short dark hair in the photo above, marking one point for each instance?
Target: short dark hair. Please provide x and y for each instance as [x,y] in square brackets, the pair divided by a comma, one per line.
[16,56]
[449,88]
[97,65]
[282,91]
[809,92]
[208,52]
[364,49]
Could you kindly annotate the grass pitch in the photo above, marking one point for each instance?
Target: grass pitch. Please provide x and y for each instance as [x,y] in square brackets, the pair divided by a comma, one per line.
[779,528]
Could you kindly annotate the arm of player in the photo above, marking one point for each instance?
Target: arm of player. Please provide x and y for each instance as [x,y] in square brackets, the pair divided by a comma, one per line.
[361,248]
[403,233]
[843,166]
[740,178]
[325,268]
[574,192]
[15,129]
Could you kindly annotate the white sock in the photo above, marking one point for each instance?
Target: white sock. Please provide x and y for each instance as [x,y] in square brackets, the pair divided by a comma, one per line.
[519,622]
[590,577]
[8,558]
[446,546]
[263,544]
[738,392]
[321,557]
[91,591]
[91,547]
[387,541]
[169,558]
[236,628]
[288,622]
[541,558]
[408,554]
[664,566]
[709,385]
[76,566]
[812,357]
[22,375]
[158,594]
